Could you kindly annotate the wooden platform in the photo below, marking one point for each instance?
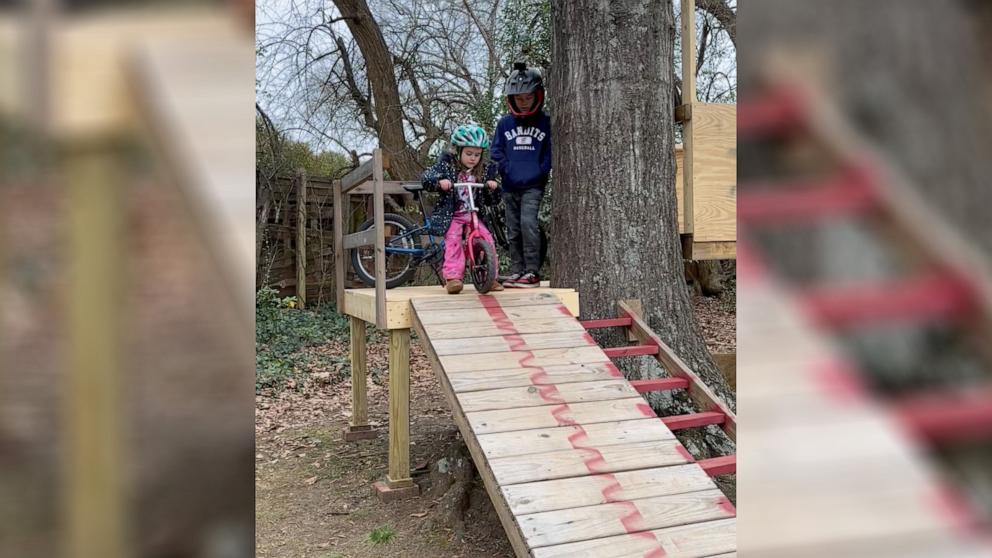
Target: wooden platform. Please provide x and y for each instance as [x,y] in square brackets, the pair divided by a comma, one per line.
[360,303]
[575,461]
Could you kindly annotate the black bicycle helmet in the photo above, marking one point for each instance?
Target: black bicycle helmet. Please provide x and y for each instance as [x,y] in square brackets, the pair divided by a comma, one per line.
[524,80]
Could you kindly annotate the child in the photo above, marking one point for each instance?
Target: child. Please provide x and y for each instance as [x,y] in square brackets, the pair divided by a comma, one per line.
[462,163]
[522,149]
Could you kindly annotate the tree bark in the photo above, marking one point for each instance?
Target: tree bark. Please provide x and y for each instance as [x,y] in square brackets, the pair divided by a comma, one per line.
[403,163]
[614,213]
[723,13]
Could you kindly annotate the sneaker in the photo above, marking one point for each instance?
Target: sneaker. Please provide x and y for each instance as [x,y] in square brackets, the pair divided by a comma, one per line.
[453,286]
[509,281]
[528,281]
[496,287]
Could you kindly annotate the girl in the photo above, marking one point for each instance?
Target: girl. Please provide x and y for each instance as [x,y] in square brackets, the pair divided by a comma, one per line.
[461,163]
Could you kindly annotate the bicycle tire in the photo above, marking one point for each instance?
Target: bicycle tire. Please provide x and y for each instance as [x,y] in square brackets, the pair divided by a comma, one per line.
[405,273]
[484,272]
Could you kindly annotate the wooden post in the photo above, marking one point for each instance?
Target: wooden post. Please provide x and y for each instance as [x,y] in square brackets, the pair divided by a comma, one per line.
[359,428]
[380,241]
[301,237]
[688,98]
[398,482]
[93,473]
[339,274]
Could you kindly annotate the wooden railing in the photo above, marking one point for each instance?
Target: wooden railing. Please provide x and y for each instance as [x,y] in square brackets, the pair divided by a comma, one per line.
[373,169]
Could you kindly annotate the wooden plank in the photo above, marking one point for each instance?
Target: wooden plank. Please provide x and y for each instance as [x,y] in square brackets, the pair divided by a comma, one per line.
[688,98]
[339,252]
[710,538]
[714,180]
[389,188]
[504,378]
[693,420]
[611,322]
[548,394]
[714,250]
[301,238]
[506,444]
[474,300]
[399,409]
[488,422]
[360,239]
[591,490]
[680,186]
[533,359]
[481,315]
[487,328]
[616,518]
[380,242]
[359,374]
[506,518]
[581,462]
[357,176]
[659,384]
[699,392]
[514,342]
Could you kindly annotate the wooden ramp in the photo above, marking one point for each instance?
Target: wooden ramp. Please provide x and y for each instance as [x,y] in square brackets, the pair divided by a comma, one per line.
[575,461]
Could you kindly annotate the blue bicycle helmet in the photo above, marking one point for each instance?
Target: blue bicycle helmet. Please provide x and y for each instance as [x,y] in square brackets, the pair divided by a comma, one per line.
[470,135]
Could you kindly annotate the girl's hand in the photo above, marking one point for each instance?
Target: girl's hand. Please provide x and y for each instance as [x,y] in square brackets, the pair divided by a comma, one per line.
[445,184]
[491,184]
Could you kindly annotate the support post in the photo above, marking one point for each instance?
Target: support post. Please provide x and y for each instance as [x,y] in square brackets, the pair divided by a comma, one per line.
[301,237]
[398,483]
[95,501]
[688,98]
[380,241]
[359,429]
[339,201]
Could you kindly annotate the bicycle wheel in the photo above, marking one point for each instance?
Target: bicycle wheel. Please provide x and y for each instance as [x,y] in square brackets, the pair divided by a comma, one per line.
[400,268]
[484,271]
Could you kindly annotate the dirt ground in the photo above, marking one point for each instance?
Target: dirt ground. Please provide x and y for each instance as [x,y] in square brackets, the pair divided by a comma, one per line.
[313,491]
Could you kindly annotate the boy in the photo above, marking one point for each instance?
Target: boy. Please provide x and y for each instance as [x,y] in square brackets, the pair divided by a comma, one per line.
[521,147]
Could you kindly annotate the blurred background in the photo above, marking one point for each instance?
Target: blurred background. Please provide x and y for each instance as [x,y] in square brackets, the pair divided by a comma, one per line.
[126,266]
[864,295]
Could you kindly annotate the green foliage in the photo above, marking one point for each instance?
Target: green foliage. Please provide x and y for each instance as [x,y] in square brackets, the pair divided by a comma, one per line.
[524,32]
[382,535]
[286,339]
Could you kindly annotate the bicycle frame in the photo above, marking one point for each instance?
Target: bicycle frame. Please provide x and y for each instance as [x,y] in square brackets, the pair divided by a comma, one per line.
[473,231]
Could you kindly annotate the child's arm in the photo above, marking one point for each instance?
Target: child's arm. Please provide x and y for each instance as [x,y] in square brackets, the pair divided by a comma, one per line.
[546,156]
[434,174]
[491,197]
[498,149]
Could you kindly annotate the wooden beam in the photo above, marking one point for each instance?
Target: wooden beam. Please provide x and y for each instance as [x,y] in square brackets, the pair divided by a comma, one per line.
[359,374]
[301,238]
[339,259]
[693,420]
[389,188]
[360,239]
[949,417]
[850,191]
[717,466]
[399,409]
[357,176]
[688,98]
[712,251]
[683,113]
[659,384]
[613,322]
[637,350]
[380,241]
[699,392]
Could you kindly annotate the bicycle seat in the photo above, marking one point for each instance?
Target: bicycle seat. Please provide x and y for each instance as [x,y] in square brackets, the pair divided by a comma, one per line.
[413,187]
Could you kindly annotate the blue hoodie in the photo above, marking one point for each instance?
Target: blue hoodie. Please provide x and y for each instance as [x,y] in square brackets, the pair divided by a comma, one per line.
[521,147]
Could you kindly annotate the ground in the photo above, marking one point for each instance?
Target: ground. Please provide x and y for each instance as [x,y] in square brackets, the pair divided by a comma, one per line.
[313,490]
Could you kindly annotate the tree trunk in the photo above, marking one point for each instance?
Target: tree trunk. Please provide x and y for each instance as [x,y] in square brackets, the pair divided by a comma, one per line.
[403,163]
[614,170]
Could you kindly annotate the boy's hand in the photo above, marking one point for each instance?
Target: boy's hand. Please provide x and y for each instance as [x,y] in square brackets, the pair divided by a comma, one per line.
[445,184]
[491,184]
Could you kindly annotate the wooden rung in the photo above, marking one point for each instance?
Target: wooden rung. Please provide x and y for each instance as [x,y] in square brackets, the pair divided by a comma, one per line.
[778,112]
[660,384]
[949,417]
[636,350]
[849,192]
[612,322]
[692,420]
[928,296]
[716,466]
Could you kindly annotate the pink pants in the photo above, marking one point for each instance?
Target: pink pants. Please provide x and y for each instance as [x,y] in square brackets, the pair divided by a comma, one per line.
[454,254]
